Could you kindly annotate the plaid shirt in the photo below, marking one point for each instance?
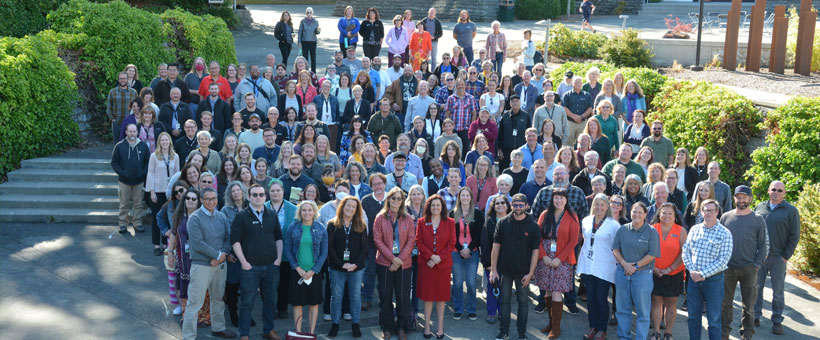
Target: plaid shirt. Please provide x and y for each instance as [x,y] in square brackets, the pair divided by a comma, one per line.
[476,88]
[707,250]
[576,197]
[462,110]
[117,103]
[442,94]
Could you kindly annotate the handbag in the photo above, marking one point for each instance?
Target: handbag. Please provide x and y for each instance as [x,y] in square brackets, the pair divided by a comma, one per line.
[168,267]
[294,335]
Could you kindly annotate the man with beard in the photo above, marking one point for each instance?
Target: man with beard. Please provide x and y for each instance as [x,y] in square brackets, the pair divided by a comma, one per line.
[384,78]
[310,166]
[310,119]
[385,123]
[750,246]
[400,92]
[269,151]
[396,71]
[584,178]
[514,257]
[117,103]
[263,91]
[253,137]
[163,92]
[187,143]
[295,181]
[400,178]
[130,161]
[475,87]
[250,109]
[337,61]
[417,107]
[662,148]
[353,64]
[219,108]
[413,164]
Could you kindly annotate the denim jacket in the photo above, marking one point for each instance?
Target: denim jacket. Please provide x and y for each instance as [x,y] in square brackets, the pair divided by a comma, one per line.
[319,236]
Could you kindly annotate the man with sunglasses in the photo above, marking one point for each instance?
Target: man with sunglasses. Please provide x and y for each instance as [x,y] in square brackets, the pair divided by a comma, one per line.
[514,256]
[662,148]
[256,237]
[783,226]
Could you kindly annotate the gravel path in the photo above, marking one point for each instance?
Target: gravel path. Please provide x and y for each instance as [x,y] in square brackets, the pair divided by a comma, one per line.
[788,83]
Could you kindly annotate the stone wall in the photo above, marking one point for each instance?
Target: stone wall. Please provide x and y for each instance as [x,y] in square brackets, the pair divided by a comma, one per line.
[480,10]
[613,7]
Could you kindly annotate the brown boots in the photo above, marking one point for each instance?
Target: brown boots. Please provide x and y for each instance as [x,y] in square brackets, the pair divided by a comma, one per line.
[556,312]
[548,328]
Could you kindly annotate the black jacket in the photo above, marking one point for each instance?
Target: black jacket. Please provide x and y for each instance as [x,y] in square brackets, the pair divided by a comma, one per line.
[475,230]
[583,182]
[507,140]
[130,162]
[357,245]
[183,146]
[221,111]
[690,179]
[280,33]
[280,104]
[166,114]
[453,70]
[258,239]
[163,93]
[438,33]
[375,28]
[364,112]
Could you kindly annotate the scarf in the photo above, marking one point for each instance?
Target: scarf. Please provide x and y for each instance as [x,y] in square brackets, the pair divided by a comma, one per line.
[147,136]
[631,105]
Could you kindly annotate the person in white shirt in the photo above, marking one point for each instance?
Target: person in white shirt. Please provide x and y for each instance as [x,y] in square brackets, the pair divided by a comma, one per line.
[493,100]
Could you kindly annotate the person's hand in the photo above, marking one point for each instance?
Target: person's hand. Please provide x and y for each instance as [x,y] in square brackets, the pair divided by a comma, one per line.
[396,107]
[300,271]
[153,197]
[547,261]
[214,263]
[697,276]
[168,233]
[397,261]
[657,272]
[231,258]
[629,269]
[526,279]
[246,265]
[784,260]
[222,258]
[175,132]
[351,267]
[171,261]
[493,276]
[349,35]
[500,155]
[308,274]
[436,259]
[556,262]
[430,263]
[393,267]
[465,253]
[278,262]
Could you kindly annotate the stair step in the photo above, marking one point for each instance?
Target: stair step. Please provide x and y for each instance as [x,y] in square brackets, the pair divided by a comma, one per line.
[64,175]
[50,215]
[59,188]
[66,163]
[22,201]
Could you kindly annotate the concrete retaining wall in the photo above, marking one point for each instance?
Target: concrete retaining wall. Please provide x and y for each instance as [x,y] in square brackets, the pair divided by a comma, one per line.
[683,50]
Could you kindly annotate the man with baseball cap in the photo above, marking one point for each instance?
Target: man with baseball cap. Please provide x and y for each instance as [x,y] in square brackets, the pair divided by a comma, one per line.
[514,256]
[749,250]
[253,137]
[566,85]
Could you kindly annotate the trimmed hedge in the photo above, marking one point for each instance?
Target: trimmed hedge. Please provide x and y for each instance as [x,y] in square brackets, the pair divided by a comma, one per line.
[625,49]
[650,80]
[193,36]
[38,97]
[703,114]
[791,155]
[565,42]
[807,255]
[22,17]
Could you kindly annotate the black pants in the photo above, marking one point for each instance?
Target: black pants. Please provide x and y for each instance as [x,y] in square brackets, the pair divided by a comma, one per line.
[465,142]
[282,290]
[309,52]
[344,48]
[398,283]
[506,304]
[371,51]
[285,49]
[504,163]
[156,236]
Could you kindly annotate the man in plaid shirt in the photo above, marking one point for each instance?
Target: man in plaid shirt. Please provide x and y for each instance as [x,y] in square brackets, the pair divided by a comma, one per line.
[706,255]
[116,107]
[475,87]
[462,108]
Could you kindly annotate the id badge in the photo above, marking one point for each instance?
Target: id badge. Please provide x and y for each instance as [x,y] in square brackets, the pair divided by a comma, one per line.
[515,132]
[553,247]
[589,254]
[395,249]
[465,245]
[187,248]
[346,256]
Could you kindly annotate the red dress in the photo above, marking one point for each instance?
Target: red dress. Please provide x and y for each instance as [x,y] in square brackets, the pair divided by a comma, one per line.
[434,283]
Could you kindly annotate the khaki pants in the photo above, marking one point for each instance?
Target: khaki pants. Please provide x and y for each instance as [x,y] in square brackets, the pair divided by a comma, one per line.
[205,278]
[747,277]
[573,130]
[130,204]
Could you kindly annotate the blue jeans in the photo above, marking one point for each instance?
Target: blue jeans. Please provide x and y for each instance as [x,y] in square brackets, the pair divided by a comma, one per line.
[337,288]
[493,302]
[597,294]
[464,270]
[369,276]
[267,279]
[468,53]
[498,61]
[711,291]
[637,289]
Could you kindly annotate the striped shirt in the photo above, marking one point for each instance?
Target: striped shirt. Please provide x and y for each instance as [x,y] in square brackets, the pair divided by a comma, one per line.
[707,249]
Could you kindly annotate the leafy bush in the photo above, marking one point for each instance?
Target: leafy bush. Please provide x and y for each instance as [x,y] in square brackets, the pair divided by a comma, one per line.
[807,255]
[25,17]
[38,97]
[627,50]
[649,80]
[538,9]
[580,44]
[793,145]
[193,36]
[703,114]
[579,69]
[791,41]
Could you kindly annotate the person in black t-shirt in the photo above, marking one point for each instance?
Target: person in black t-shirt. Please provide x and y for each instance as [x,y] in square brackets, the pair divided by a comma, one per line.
[514,255]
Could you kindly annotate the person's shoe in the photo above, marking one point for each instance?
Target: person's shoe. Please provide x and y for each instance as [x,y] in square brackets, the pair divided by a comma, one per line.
[334,331]
[428,336]
[573,310]
[440,336]
[282,315]
[777,328]
[491,319]
[386,334]
[178,310]
[555,320]
[472,316]
[157,251]
[347,316]
[226,334]
[757,322]
[613,321]
[540,307]
[655,336]
[123,229]
[666,336]
[457,316]
[600,335]
[272,335]
[402,334]
[327,317]
[139,228]
[357,332]
[366,305]
[590,334]
[501,336]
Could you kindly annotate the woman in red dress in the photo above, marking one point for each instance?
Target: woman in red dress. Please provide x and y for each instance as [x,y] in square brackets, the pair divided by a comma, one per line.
[435,238]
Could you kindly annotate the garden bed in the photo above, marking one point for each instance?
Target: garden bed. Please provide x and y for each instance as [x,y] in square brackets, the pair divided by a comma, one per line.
[788,84]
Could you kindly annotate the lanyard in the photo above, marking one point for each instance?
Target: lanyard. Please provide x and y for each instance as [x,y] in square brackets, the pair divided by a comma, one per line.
[167,166]
[435,233]
[594,230]
[481,187]
[395,233]
[347,236]
[551,113]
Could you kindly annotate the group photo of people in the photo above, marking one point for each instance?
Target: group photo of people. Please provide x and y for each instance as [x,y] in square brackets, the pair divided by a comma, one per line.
[417,182]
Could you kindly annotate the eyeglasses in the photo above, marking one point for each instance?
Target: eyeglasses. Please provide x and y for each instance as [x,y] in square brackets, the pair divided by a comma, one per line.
[657,129]
[473,72]
[777,190]
[257,195]
[616,203]
[207,182]
[708,210]
[500,203]
[519,205]
[191,198]
[209,199]
[395,198]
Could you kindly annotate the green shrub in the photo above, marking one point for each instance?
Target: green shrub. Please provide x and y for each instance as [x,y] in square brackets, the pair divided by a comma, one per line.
[538,9]
[807,255]
[224,12]
[649,80]
[198,36]
[25,17]
[580,69]
[791,155]
[579,44]
[791,41]
[702,114]
[627,50]
[38,97]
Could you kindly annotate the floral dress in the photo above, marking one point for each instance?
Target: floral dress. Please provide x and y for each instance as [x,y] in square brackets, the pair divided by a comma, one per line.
[420,47]
[183,270]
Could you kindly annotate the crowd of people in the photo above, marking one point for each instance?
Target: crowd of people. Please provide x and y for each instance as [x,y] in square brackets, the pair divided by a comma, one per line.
[308,189]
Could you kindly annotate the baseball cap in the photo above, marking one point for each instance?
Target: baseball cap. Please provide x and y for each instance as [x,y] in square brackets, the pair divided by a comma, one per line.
[742,189]
[519,197]
[254,115]
[569,74]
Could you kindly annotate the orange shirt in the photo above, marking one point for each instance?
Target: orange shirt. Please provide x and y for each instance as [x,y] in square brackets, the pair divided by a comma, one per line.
[670,248]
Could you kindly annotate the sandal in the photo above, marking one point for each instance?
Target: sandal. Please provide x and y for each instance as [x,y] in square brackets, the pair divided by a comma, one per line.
[440,336]
[667,336]
[655,336]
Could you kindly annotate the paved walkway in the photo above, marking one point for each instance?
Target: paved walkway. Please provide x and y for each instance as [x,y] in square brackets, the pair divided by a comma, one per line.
[69,281]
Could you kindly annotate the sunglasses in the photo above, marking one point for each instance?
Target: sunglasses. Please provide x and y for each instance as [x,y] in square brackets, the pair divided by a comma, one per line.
[616,203]
[395,198]
[209,199]
[191,198]
[181,190]
[777,190]
[257,195]
[207,182]
[519,205]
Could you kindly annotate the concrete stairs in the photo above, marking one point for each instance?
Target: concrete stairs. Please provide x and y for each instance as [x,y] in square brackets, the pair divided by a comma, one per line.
[55,189]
